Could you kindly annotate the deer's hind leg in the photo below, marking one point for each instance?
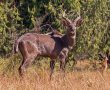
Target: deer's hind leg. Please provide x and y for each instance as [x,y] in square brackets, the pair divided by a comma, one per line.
[27,58]
[25,64]
[104,65]
[52,65]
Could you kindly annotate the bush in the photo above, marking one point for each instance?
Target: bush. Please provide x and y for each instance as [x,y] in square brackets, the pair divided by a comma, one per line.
[18,17]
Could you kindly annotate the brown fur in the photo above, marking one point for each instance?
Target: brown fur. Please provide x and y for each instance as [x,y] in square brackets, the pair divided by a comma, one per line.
[54,46]
[105,61]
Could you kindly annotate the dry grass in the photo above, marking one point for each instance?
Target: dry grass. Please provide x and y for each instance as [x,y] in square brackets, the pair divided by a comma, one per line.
[39,80]
[73,81]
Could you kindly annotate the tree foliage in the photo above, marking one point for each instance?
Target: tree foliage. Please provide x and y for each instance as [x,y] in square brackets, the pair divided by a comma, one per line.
[20,16]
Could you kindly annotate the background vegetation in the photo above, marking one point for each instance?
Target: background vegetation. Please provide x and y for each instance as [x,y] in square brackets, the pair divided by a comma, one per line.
[21,16]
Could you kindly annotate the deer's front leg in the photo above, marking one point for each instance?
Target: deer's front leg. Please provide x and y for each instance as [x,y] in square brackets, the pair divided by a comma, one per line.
[62,57]
[62,65]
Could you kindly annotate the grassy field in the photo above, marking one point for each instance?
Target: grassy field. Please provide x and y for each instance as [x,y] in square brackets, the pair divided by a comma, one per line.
[83,77]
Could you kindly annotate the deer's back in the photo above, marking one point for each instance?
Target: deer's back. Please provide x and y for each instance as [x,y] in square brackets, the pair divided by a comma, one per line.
[44,45]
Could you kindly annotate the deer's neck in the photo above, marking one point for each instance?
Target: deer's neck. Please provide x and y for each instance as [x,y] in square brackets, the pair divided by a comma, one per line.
[70,39]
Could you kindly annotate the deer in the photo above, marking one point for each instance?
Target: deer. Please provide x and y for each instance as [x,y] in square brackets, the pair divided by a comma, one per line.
[32,45]
[105,60]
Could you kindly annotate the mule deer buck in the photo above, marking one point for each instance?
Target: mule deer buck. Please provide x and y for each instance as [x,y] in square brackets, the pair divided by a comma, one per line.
[53,46]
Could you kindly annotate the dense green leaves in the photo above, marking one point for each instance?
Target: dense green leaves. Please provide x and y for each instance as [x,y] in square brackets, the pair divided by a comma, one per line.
[20,16]
[8,24]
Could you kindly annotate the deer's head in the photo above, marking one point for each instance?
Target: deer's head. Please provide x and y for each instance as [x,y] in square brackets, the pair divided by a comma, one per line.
[71,25]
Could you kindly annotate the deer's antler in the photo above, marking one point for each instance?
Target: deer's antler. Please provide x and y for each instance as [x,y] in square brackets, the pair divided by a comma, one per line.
[77,21]
[78,18]
[66,19]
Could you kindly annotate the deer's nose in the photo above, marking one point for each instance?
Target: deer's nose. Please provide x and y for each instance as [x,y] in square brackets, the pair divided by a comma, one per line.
[73,33]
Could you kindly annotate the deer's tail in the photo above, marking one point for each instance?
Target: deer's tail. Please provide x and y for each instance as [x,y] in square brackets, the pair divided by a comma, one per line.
[16,46]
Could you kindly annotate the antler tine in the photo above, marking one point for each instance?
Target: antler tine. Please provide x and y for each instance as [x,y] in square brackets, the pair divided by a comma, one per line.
[65,17]
[64,13]
[79,17]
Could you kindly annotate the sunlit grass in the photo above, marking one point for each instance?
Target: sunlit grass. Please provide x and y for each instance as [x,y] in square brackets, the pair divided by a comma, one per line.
[73,81]
[37,78]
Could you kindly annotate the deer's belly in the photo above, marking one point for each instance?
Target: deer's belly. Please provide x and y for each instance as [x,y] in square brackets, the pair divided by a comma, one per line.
[49,50]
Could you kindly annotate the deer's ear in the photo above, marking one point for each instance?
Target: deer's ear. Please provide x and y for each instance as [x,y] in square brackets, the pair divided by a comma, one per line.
[78,21]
